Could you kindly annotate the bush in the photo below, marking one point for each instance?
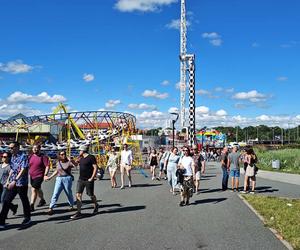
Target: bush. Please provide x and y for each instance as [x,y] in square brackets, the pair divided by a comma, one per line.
[289,159]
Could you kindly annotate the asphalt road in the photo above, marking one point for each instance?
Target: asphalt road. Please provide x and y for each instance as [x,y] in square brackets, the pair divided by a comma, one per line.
[147,216]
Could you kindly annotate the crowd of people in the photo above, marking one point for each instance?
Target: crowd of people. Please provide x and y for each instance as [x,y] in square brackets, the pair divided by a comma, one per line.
[181,168]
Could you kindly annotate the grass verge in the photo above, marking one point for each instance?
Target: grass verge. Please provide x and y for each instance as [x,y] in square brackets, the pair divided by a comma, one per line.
[280,214]
[289,159]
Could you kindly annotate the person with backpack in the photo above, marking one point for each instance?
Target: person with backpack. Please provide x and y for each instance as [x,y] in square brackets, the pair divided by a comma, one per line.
[38,170]
[64,181]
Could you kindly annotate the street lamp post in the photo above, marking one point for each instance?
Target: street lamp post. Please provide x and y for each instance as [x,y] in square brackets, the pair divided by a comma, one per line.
[173,127]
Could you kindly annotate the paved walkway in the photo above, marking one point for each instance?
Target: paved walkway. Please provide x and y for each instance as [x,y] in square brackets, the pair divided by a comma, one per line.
[147,216]
[281,177]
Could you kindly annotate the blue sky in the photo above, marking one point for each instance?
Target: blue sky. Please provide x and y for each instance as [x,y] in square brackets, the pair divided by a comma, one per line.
[123,55]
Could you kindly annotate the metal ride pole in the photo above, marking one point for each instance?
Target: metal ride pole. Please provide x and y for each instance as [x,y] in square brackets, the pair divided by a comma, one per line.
[173,131]
[173,127]
[192,99]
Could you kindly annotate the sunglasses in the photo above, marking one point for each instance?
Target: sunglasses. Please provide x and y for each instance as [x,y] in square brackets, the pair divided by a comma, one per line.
[62,154]
[4,156]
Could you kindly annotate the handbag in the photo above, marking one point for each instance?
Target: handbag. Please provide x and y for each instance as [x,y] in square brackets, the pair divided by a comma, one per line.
[66,171]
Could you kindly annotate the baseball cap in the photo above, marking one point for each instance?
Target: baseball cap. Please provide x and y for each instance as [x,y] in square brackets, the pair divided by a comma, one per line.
[83,148]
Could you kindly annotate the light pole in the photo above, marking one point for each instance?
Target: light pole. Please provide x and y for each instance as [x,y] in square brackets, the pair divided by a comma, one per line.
[173,127]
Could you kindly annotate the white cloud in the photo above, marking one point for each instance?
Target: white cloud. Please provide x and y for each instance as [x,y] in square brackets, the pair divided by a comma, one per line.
[43,97]
[202,110]
[155,94]
[214,38]
[177,85]
[216,42]
[202,92]
[212,35]
[142,5]
[88,77]
[219,89]
[165,83]
[230,90]
[112,103]
[252,96]
[282,78]
[221,112]
[175,24]
[7,110]
[173,110]
[143,106]
[15,67]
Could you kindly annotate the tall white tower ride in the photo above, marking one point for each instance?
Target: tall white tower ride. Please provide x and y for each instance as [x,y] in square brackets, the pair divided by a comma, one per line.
[183,63]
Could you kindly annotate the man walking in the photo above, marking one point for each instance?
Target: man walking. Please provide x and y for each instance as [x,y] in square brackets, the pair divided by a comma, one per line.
[125,165]
[38,169]
[224,160]
[234,165]
[17,184]
[87,172]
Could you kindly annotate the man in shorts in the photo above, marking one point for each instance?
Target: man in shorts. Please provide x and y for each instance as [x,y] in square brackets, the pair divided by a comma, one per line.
[199,162]
[38,169]
[233,164]
[87,172]
[125,165]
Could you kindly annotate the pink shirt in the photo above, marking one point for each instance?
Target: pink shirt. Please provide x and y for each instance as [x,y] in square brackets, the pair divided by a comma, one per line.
[37,165]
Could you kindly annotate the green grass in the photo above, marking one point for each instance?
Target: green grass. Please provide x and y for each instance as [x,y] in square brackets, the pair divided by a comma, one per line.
[289,159]
[279,215]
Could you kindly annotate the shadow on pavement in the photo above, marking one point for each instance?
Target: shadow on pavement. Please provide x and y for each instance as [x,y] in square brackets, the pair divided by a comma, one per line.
[146,185]
[123,209]
[209,176]
[214,201]
[265,189]
[211,190]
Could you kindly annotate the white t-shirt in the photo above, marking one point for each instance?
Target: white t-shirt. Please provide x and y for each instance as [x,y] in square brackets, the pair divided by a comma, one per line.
[126,157]
[187,162]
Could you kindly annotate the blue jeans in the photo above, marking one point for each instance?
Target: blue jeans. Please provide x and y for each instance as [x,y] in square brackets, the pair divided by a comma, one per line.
[225,178]
[62,183]
[172,178]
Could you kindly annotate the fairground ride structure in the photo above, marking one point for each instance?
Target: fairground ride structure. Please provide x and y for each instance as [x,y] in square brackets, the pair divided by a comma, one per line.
[100,130]
[184,59]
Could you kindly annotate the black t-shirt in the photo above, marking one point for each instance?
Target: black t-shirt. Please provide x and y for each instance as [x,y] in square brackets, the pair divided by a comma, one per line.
[86,167]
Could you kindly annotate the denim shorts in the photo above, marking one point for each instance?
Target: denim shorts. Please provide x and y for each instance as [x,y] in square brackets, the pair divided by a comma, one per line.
[235,173]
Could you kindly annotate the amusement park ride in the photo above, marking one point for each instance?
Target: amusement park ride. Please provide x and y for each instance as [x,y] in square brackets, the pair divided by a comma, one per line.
[184,59]
[100,130]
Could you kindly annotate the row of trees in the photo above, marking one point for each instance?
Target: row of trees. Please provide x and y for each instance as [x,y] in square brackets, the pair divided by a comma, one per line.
[261,133]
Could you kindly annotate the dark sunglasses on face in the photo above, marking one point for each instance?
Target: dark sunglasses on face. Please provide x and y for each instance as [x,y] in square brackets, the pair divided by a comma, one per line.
[4,156]
[62,154]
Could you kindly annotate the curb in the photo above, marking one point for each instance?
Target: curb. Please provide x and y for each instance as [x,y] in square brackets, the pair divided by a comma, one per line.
[277,235]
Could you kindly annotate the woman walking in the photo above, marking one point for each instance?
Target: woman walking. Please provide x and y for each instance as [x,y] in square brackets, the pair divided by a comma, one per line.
[4,177]
[112,165]
[187,164]
[63,181]
[153,162]
[172,164]
[250,160]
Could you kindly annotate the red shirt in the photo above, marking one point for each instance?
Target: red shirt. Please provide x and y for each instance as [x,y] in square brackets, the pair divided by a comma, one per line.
[37,165]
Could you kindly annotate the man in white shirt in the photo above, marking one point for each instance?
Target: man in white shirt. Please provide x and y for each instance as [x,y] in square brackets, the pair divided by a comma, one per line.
[126,163]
